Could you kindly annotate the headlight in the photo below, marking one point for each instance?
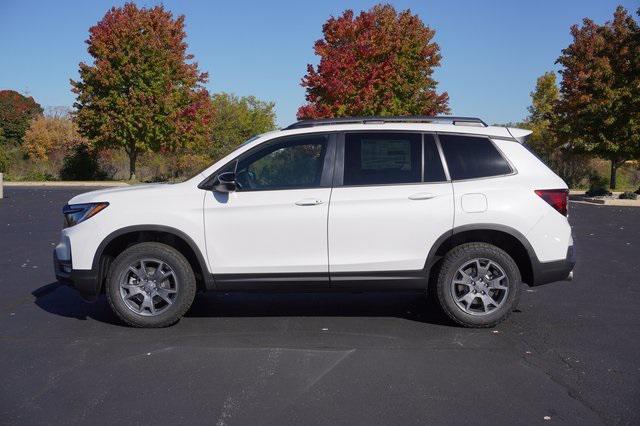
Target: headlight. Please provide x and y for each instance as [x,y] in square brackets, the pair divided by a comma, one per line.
[76,213]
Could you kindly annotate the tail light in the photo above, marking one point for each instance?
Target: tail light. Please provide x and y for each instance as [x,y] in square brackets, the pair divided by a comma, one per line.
[556,198]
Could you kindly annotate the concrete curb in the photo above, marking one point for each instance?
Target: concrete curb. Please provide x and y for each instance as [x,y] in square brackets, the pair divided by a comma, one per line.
[67,183]
[581,198]
[609,202]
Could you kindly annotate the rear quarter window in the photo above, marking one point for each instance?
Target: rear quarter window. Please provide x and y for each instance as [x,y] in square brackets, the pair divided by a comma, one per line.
[470,157]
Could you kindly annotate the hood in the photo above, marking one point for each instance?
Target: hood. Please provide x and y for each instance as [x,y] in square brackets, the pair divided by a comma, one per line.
[117,192]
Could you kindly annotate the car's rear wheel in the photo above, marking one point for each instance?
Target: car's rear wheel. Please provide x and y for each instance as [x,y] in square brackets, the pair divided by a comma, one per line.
[150,285]
[478,285]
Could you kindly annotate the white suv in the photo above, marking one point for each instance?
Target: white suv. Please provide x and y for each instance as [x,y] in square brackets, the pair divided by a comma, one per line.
[445,204]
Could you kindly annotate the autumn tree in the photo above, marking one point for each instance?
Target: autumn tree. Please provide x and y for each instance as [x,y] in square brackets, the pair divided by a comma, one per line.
[235,120]
[51,134]
[143,91]
[377,63]
[600,89]
[16,113]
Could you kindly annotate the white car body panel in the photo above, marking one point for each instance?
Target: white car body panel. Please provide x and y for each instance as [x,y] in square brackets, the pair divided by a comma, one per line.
[177,206]
[352,229]
[512,202]
[266,231]
[379,228]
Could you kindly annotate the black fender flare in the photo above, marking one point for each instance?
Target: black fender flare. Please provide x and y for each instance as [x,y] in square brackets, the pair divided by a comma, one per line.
[97,266]
[432,257]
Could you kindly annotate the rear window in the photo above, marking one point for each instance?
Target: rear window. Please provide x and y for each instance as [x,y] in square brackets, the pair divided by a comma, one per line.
[472,157]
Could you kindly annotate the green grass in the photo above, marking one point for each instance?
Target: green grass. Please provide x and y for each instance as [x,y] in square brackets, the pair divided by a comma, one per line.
[628,175]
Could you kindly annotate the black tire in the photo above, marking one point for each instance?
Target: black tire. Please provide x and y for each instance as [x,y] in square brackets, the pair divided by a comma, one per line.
[183,274]
[455,259]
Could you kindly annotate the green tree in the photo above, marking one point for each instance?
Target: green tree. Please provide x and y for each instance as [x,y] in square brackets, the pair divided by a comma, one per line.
[377,63]
[142,92]
[542,116]
[599,108]
[16,112]
[235,120]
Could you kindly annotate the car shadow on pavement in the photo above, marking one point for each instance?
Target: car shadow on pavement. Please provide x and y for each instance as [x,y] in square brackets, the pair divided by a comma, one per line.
[58,299]
[61,300]
[406,305]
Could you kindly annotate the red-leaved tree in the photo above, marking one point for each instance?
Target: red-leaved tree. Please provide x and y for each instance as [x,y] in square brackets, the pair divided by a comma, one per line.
[16,113]
[377,63]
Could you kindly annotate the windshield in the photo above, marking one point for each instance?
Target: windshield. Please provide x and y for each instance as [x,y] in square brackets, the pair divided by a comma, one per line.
[194,174]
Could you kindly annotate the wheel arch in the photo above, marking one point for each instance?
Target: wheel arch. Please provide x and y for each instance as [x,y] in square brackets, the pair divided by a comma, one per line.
[125,237]
[508,239]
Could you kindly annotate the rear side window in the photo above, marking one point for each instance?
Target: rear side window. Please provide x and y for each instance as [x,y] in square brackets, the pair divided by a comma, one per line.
[472,157]
[382,158]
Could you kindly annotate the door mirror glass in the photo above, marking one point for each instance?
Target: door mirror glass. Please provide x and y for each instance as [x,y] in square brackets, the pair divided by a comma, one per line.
[226,182]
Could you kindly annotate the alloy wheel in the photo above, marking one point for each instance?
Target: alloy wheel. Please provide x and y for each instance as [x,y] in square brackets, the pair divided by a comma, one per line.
[149,287]
[480,286]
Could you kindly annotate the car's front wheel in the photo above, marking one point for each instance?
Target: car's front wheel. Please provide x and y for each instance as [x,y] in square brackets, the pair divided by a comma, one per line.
[150,285]
[478,285]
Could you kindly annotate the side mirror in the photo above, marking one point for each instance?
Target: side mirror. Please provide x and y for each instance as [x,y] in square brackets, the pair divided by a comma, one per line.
[226,182]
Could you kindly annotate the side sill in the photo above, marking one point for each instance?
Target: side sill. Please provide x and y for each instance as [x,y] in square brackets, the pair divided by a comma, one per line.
[270,282]
[345,281]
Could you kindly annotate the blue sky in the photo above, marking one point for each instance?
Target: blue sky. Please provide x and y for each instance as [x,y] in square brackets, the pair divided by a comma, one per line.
[493,51]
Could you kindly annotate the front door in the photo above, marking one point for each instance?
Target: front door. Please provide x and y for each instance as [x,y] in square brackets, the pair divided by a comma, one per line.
[275,224]
[390,204]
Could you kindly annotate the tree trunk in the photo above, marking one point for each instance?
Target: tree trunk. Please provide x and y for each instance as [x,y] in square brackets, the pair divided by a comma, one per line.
[614,171]
[132,164]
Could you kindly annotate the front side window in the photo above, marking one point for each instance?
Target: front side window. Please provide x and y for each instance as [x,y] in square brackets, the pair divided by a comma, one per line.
[382,158]
[292,163]
[471,157]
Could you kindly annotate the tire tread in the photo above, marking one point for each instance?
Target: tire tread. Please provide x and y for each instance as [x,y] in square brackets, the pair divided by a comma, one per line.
[451,261]
[188,286]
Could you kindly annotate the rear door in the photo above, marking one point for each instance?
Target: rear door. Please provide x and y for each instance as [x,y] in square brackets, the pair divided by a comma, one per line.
[390,202]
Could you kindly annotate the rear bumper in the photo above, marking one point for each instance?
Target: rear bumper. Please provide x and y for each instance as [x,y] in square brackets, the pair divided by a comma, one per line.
[85,281]
[560,270]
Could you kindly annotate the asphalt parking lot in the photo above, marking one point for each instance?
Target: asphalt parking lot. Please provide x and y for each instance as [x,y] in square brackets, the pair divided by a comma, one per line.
[569,354]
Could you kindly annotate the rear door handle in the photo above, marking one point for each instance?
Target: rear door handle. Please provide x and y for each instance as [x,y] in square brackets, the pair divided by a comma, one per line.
[308,202]
[422,196]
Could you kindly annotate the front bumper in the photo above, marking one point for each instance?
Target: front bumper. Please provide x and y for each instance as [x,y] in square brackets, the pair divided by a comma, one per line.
[549,272]
[85,281]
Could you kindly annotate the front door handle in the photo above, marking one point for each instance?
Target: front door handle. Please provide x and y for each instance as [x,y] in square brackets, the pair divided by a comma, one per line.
[308,202]
[422,196]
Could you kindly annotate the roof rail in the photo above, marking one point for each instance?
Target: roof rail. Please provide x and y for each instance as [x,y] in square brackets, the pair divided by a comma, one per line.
[469,121]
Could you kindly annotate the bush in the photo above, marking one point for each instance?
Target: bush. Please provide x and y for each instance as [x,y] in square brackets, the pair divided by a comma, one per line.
[81,165]
[573,168]
[628,195]
[170,167]
[190,164]
[114,163]
[39,176]
[4,159]
[598,186]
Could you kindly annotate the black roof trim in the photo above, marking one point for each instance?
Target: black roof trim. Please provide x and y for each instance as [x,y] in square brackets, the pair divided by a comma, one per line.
[394,119]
